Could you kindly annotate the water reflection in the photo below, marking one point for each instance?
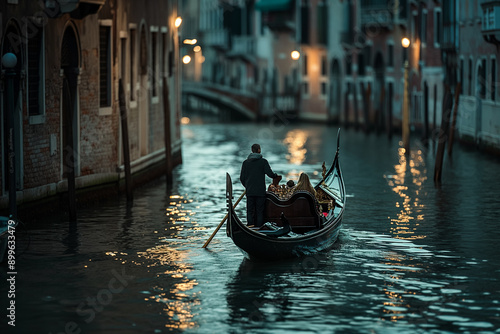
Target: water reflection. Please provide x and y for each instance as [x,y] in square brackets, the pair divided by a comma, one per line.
[173,288]
[261,293]
[408,182]
[296,140]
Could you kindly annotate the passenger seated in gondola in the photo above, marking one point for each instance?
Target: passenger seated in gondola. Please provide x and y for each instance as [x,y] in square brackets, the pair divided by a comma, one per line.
[304,184]
[273,187]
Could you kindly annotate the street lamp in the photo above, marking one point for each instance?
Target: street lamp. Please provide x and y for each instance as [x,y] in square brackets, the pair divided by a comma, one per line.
[186,59]
[178,22]
[405,126]
[295,55]
[9,62]
[405,42]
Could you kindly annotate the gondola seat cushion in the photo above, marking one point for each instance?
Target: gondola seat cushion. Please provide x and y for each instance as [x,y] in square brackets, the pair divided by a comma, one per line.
[300,210]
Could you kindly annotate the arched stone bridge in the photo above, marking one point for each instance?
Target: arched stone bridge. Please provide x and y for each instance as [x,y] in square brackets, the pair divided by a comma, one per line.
[244,103]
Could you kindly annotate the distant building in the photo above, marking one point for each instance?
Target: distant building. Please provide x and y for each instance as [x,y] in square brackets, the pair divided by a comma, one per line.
[351,62]
[475,30]
[71,57]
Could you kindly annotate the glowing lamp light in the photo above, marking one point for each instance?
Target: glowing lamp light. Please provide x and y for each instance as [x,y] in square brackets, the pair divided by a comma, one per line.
[178,22]
[190,41]
[295,54]
[405,42]
[186,59]
[197,48]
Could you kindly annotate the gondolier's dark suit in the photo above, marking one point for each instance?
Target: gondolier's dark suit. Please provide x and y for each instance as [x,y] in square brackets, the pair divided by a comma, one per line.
[253,177]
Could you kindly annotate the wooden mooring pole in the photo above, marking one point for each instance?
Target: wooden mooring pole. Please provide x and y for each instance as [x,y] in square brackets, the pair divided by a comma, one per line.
[443,133]
[126,149]
[406,111]
[454,120]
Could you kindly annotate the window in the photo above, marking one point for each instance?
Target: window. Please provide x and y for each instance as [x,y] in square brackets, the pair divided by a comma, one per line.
[132,63]
[348,64]
[493,82]
[461,69]
[368,55]
[164,61]
[304,15]
[154,63]
[481,79]
[323,88]
[470,77]
[104,66]
[304,65]
[123,58]
[438,26]
[323,66]
[390,54]
[305,88]
[423,28]
[322,22]
[35,78]
[413,27]
[361,64]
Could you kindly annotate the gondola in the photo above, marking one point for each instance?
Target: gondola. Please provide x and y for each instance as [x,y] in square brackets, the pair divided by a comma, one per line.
[305,224]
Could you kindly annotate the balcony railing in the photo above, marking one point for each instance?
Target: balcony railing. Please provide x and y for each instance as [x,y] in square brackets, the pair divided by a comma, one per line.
[216,38]
[490,25]
[379,13]
[243,45]
[77,8]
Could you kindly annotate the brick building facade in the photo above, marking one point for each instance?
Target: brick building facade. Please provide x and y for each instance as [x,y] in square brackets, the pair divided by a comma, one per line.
[66,116]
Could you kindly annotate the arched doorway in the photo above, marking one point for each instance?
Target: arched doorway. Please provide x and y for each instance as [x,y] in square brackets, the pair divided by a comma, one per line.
[335,92]
[379,93]
[11,43]
[70,66]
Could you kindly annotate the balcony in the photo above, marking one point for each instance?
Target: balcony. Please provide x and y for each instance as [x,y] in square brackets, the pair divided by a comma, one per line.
[244,47]
[78,9]
[490,25]
[216,39]
[280,21]
[378,13]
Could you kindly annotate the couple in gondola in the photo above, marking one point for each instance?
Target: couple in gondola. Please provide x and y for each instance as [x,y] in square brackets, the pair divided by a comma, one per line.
[253,177]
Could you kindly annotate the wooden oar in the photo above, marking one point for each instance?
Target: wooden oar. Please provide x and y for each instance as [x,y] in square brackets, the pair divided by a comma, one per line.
[223,221]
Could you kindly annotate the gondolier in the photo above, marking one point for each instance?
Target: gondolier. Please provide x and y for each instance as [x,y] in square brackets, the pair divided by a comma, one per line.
[253,177]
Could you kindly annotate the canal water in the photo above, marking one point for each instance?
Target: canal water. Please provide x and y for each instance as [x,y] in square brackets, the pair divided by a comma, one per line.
[411,257]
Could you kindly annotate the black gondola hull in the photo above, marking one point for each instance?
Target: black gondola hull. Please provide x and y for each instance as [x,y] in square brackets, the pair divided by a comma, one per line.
[257,246]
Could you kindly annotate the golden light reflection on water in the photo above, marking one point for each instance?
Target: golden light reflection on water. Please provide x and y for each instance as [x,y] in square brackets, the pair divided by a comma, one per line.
[176,295]
[295,140]
[396,306]
[405,224]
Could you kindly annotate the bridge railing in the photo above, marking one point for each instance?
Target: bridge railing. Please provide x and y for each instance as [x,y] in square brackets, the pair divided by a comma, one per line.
[284,104]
